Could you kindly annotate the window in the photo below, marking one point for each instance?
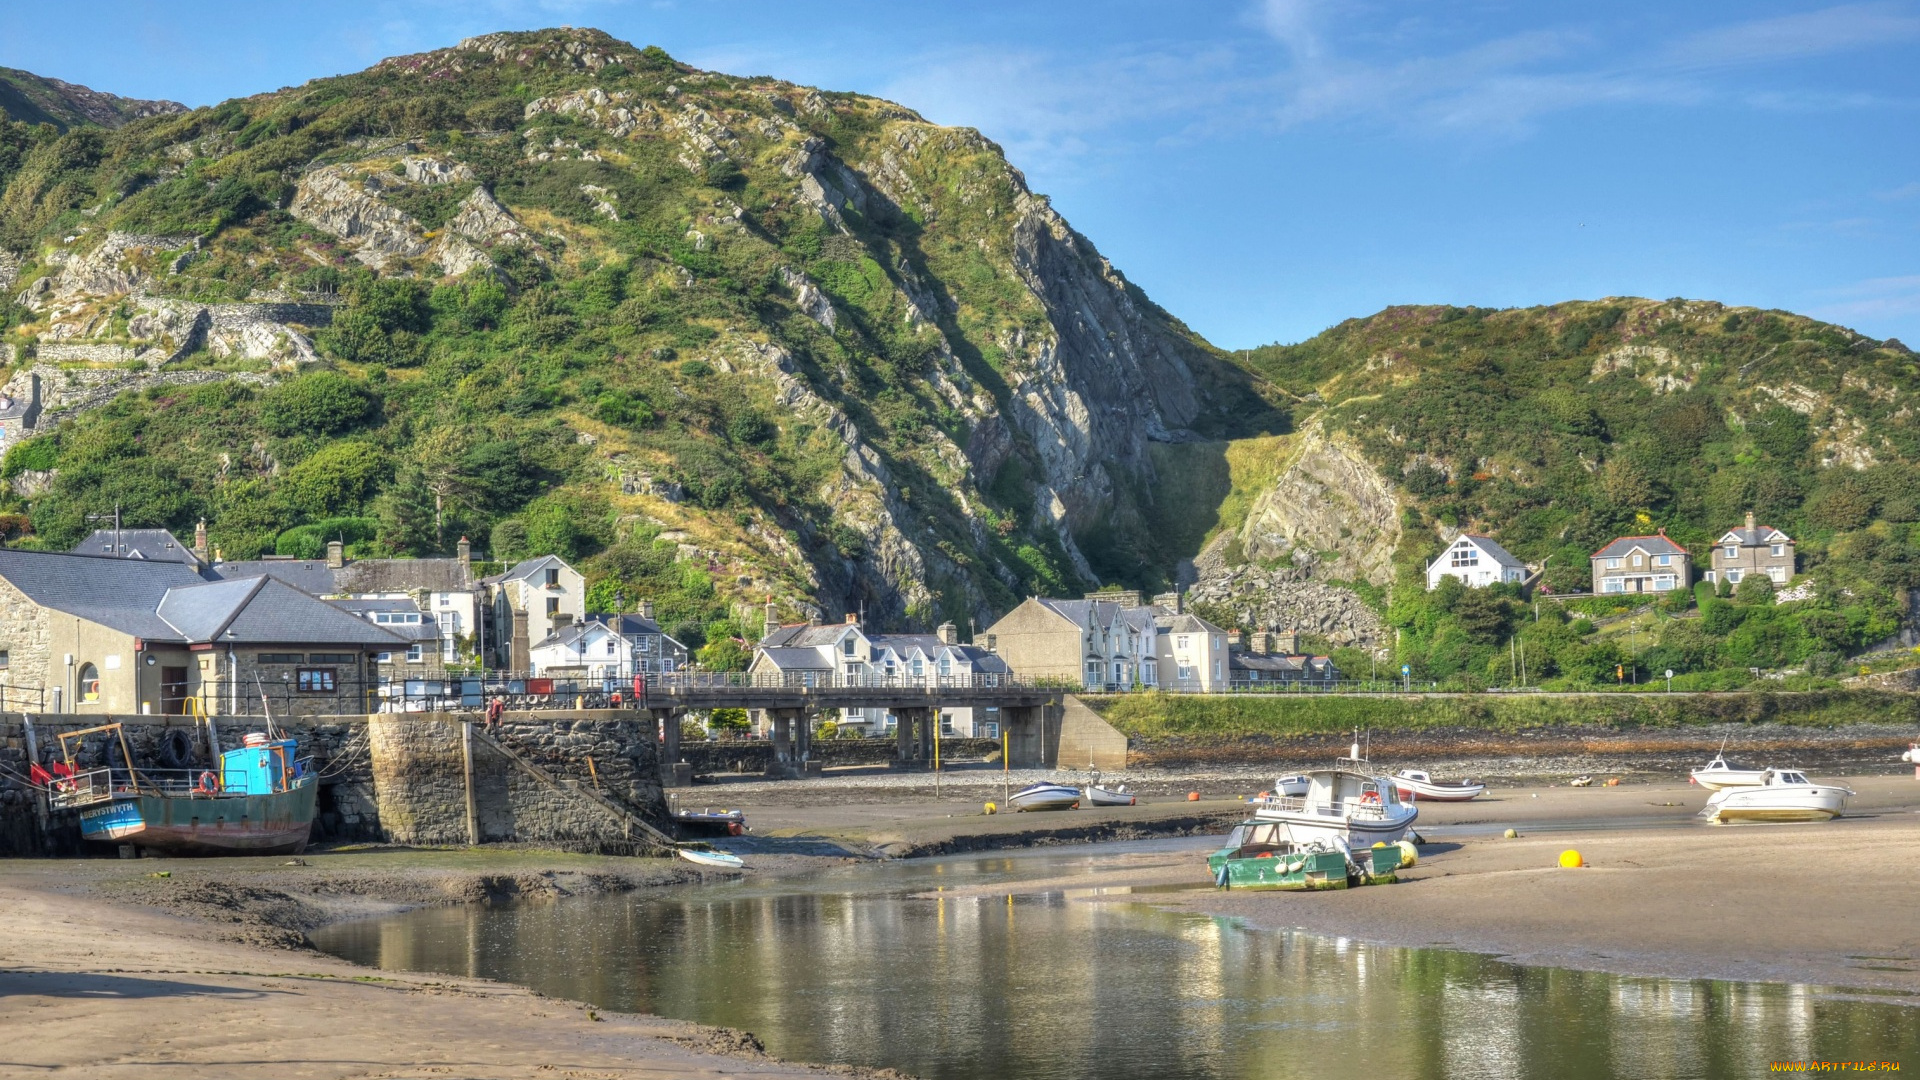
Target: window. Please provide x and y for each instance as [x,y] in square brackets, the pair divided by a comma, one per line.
[553,606]
[414,653]
[281,658]
[1184,672]
[397,618]
[613,647]
[1216,669]
[1465,554]
[1733,576]
[1666,560]
[4,660]
[917,666]
[1093,673]
[332,658]
[1662,582]
[1612,585]
[1180,641]
[1733,552]
[989,729]
[946,665]
[315,681]
[553,578]
[1779,551]
[89,683]
[846,646]
[1778,574]
[1613,564]
[1638,559]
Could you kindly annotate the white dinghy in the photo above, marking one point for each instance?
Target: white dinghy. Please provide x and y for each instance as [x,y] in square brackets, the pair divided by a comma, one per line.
[1045,797]
[1416,785]
[717,859]
[1785,795]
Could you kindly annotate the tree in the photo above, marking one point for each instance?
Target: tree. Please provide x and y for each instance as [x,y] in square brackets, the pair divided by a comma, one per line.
[724,654]
[1754,589]
[406,516]
[322,403]
[335,480]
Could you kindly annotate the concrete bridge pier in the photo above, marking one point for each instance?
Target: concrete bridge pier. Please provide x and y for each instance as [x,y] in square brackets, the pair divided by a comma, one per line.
[1033,736]
[913,746]
[792,743]
[673,772]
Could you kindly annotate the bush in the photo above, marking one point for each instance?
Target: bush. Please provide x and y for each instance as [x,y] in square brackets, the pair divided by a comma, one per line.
[310,541]
[322,403]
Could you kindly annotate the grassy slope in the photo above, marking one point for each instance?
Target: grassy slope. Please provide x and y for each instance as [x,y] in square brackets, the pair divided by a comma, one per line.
[1188,717]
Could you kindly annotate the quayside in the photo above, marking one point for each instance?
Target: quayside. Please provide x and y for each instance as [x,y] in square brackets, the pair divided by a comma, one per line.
[869,965]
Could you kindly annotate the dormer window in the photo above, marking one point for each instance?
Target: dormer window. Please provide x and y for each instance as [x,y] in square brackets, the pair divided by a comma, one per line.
[1637,559]
[553,577]
[846,646]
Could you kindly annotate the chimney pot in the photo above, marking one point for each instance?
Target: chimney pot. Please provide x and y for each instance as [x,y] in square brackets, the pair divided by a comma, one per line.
[1749,519]
[853,618]
[465,550]
[336,555]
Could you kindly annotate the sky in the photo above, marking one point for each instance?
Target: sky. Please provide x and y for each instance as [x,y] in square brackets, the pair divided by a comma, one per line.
[1267,168]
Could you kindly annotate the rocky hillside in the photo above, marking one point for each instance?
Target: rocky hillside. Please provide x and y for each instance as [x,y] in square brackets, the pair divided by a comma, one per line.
[717,337]
[34,99]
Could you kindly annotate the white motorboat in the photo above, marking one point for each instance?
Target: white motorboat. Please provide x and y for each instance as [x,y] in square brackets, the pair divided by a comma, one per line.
[1415,784]
[1785,795]
[1045,797]
[1912,754]
[1720,773]
[719,859]
[1097,795]
[1294,786]
[1344,806]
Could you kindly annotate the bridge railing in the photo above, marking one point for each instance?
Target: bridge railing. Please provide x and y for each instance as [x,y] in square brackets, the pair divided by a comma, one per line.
[521,691]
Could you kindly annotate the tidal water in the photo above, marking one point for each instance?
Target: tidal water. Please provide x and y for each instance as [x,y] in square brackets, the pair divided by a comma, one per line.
[858,965]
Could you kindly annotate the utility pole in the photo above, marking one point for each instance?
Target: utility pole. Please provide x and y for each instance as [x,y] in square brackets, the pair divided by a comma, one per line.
[119,550]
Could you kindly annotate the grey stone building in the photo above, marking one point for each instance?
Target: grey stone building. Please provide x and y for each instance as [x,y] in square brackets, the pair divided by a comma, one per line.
[1752,549]
[1641,564]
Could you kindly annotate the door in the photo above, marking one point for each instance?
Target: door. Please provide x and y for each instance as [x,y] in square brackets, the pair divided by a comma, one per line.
[173,691]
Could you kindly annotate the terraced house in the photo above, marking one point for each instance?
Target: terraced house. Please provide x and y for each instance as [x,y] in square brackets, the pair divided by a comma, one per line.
[1641,564]
[1752,549]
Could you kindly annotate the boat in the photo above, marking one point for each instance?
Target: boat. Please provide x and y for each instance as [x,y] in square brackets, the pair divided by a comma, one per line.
[711,822]
[1721,773]
[1265,855]
[1104,796]
[1045,797]
[1912,754]
[1784,795]
[1295,785]
[1343,805]
[720,859]
[260,801]
[1416,784]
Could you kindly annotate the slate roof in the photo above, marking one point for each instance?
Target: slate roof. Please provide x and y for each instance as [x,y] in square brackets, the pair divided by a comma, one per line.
[427,629]
[357,576]
[1084,613]
[123,594]
[1758,536]
[527,568]
[800,659]
[170,602]
[1185,623]
[1493,549]
[157,545]
[805,635]
[625,625]
[1652,545]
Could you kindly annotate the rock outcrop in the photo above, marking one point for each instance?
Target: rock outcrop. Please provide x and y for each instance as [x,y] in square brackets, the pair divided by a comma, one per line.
[1331,510]
[345,200]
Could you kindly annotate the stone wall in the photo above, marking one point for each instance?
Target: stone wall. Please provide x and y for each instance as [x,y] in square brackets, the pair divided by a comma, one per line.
[65,392]
[582,781]
[755,755]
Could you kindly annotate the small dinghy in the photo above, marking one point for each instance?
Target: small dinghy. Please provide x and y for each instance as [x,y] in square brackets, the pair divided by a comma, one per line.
[1415,784]
[711,822]
[1045,797]
[1786,795]
[1291,787]
[1721,773]
[1105,796]
[719,859]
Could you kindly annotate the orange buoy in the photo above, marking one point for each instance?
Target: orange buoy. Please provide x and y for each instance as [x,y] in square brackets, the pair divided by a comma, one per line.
[1193,796]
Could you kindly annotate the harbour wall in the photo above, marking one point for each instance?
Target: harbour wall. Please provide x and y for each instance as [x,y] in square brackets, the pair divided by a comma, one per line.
[586,780]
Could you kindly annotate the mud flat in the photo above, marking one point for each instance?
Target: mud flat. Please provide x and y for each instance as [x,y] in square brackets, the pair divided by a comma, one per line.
[107,970]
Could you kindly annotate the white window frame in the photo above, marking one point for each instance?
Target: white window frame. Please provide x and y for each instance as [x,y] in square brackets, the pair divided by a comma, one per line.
[1613,564]
[1733,577]
[1778,574]
[1733,552]
[1779,551]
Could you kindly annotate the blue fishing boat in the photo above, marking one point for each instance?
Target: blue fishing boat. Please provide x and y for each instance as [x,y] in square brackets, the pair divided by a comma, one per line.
[260,801]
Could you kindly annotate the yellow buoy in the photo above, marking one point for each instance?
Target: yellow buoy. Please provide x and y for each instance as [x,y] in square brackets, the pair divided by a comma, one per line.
[1571,859]
[1379,843]
[992,809]
[1408,853]
[1511,833]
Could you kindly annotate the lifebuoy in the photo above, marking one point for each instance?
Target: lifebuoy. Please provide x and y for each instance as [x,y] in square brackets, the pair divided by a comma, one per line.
[208,784]
[1370,797]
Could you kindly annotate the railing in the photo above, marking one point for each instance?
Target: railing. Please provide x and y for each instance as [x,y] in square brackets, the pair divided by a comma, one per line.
[29,699]
[102,784]
[1346,808]
[86,788]
[521,692]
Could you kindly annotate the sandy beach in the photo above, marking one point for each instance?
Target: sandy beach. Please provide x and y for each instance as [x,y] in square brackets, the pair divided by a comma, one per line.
[206,965]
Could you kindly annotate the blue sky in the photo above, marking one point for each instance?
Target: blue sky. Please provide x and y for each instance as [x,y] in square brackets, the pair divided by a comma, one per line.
[1266,168]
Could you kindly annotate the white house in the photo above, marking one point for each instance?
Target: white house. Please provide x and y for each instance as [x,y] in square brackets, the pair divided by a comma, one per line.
[529,604]
[1477,561]
[811,654]
[608,647]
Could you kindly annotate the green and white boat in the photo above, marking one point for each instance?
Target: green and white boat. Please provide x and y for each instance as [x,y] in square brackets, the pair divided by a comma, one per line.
[1264,855]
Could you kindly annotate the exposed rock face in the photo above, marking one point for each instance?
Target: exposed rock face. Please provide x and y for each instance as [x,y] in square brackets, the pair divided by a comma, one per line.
[1283,600]
[66,392]
[9,270]
[346,201]
[1652,364]
[1330,510]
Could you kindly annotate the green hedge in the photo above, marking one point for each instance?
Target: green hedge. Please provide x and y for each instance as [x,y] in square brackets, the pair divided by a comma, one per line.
[1232,716]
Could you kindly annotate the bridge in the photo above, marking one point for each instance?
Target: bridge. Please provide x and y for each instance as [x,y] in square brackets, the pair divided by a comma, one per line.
[1030,710]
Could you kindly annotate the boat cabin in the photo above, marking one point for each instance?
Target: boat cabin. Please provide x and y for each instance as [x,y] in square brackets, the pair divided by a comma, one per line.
[261,768]
[1253,839]
[1339,793]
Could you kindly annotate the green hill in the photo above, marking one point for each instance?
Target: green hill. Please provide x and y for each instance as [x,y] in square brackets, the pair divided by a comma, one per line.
[34,99]
[717,337]
[1556,429]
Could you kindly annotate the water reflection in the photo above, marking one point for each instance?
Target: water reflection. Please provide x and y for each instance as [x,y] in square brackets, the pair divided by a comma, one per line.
[850,967]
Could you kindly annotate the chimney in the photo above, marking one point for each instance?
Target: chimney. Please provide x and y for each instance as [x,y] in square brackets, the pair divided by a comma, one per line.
[1262,643]
[1180,602]
[646,610]
[853,618]
[200,539]
[993,643]
[949,634]
[770,621]
[1749,520]
[336,555]
[1287,642]
[465,551]
[562,619]
[1233,640]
